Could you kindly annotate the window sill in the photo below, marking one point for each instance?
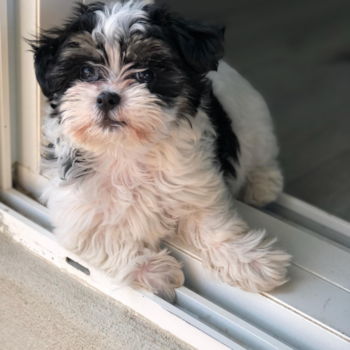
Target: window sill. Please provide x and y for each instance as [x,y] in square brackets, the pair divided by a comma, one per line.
[42,243]
[311,311]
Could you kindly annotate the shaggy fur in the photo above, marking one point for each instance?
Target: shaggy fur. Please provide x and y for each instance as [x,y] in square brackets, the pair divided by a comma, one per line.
[186,135]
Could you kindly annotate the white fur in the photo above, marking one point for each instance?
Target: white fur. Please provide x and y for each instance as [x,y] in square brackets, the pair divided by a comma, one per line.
[116,21]
[156,179]
[252,123]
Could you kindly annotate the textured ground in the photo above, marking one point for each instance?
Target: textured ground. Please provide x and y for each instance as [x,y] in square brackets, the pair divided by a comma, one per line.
[297,54]
[42,308]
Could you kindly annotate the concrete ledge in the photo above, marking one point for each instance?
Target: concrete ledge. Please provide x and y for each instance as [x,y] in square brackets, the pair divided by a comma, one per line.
[44,308]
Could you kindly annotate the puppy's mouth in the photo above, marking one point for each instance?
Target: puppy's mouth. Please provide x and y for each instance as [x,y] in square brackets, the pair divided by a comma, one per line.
[107,122]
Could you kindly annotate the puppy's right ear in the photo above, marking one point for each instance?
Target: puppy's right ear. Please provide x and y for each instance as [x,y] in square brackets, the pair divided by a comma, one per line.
[45,50]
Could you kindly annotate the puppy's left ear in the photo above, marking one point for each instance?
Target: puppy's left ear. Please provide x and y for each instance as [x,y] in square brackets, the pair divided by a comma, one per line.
[200,45]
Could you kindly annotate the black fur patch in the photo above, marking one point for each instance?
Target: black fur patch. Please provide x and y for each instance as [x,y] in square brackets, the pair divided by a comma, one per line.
[71,167]
[199,45]
[226,145]
[196,49]
[48,153]
[148,52]
[74,166]
[53,73]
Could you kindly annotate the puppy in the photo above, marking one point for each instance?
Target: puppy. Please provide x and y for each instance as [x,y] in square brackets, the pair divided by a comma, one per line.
[150,136]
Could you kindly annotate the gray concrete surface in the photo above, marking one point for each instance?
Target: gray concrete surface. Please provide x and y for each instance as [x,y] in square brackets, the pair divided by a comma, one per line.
[41,308]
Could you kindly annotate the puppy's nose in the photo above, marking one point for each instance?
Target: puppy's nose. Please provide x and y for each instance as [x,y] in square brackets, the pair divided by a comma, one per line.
[108,100]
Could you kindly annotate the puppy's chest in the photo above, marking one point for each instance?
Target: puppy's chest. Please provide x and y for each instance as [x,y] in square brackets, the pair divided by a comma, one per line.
[151,183]
[163,182]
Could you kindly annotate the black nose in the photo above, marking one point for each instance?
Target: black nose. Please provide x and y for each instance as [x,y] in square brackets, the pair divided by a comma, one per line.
[108,100]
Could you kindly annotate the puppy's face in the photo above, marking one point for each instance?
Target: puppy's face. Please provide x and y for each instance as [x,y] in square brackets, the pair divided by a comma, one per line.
[122,74]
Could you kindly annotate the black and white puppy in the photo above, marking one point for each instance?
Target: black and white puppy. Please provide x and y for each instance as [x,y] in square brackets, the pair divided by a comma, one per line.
[150,136]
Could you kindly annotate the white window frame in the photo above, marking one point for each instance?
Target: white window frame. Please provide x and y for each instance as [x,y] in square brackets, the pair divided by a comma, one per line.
[216,316]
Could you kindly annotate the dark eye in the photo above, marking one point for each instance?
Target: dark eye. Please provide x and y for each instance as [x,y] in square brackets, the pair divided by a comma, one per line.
[146,76]
[89,73]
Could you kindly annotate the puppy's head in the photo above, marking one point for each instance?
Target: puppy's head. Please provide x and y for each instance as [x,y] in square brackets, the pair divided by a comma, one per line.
[123,73]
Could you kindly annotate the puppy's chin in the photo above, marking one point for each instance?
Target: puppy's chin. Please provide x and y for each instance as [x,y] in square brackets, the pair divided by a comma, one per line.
[109,124]
[136,122]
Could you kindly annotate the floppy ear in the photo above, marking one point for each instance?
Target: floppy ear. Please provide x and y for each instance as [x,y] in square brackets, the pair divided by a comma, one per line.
[47,46]
[200,45]
[45,50]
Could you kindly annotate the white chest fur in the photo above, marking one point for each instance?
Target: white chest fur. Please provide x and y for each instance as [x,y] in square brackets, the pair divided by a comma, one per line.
[142,196]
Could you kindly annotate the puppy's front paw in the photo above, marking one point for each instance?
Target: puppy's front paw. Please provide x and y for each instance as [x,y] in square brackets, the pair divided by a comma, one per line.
[161,274]
[250,263]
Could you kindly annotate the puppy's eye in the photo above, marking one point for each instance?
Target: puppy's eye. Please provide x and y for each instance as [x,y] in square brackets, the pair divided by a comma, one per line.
[146,76]
[89,73]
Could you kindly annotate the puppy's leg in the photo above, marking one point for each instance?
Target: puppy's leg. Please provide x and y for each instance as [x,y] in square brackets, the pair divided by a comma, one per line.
[233,253]
[155,271]
[263,185]
[127,263]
